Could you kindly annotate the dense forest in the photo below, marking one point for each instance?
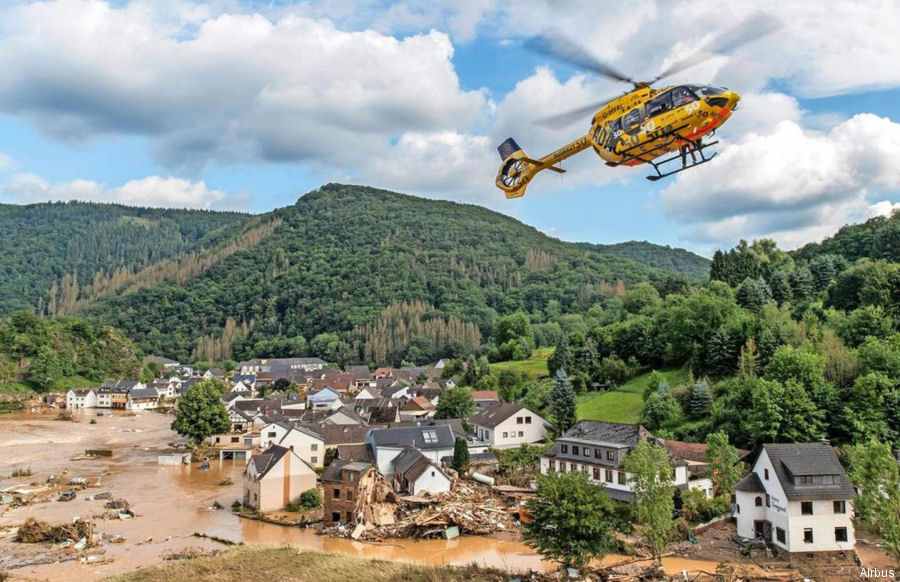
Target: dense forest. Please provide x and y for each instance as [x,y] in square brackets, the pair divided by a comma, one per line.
[328,266]
[42,353]
[779,346]
[49,249]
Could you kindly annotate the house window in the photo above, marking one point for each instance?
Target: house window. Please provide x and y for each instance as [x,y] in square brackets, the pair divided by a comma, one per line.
[596,474]
[840,534]
[840,506]
[768,500]
[766,474]
[598,453]
[527,420]
[610,455]
[349,495]
[521,434]
[574,449]
[621,477]
[520,420]
[217,439]
[806,507]
[759,501]
[314,447]
[779,534]
[337,493]
[430,436]
[807,535]
[314,460]
[609,476]
[236,439]
[272,434]
[565,448]
[804,480]
[505,435]
[587,452]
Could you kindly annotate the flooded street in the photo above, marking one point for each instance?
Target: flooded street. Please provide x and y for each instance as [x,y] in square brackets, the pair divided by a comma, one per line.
[172,503]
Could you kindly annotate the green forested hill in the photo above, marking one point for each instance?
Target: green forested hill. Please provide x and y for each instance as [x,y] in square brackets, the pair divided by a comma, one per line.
[342,254]
[876,238]
[54,244]
[664,257]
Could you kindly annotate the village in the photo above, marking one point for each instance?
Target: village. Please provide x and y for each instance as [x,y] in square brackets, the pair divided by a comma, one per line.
[358,454]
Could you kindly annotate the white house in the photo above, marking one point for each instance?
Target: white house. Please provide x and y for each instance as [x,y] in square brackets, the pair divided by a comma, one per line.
[324,399]
[506,425]
[275,477]
[599,449]
[142,399]
[416,474]
[433,442]
[307,443]
[797,497]
[272,433]
[85,398]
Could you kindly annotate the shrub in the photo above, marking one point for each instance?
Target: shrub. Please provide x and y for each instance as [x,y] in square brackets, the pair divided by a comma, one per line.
[309,499]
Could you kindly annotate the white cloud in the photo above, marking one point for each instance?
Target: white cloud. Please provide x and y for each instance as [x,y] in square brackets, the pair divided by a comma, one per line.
[791,184]
[229,87]
[155,191]
[7,163]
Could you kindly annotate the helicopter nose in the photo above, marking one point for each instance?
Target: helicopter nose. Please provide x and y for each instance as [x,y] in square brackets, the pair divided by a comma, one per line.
[733,98]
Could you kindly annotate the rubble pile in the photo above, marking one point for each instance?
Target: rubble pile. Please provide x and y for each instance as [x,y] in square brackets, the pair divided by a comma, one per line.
[473,508]
[33,531]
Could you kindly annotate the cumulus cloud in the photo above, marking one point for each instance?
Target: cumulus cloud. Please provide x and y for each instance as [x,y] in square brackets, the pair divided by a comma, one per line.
[229,87]
[155,191]
[792,184]
[7,163]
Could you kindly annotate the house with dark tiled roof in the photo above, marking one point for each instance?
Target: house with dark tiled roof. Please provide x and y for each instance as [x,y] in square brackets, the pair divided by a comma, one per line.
[387,444]
[275,477]
[798,498]
[414,473]
[505,425]
[142,398]
[599,449]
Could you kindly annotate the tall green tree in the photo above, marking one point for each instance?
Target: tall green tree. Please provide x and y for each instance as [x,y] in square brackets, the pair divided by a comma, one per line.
[45,369]
[563,402]
[725,469]
[650,476]
[201,412]
[561,358]
[571,519]
[873,470]
[460,454]
[455,403]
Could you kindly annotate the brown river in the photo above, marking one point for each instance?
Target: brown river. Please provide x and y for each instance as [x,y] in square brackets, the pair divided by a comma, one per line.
[171,503]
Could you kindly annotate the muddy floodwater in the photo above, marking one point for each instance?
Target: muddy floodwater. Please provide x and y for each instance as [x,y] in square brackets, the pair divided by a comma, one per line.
[172,503]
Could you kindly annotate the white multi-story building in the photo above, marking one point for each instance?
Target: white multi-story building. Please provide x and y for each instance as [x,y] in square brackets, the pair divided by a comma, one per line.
[599,449]
[506,425]
[798,498]
[85,398]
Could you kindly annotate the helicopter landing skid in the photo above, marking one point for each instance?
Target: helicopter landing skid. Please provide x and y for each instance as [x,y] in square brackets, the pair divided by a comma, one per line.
[694,147]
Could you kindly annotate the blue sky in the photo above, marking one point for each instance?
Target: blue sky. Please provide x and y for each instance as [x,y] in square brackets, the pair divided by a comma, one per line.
[247,105]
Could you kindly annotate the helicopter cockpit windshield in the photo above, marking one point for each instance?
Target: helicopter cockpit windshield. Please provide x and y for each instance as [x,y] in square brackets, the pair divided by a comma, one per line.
[707,90]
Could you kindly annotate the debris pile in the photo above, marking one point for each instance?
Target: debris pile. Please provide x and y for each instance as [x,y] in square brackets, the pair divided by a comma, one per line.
[33,531]
[473,508]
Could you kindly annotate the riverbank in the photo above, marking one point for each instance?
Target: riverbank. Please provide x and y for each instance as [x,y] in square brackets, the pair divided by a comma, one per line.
[284,563]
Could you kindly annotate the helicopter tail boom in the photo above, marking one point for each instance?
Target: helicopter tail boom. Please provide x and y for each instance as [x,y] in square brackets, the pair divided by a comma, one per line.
[517,169]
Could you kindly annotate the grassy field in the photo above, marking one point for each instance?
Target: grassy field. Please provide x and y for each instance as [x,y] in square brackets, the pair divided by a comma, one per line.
[624,403]
[535,366]
[287,564]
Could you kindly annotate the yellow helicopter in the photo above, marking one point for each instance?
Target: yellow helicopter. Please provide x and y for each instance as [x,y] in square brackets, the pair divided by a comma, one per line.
[644,125]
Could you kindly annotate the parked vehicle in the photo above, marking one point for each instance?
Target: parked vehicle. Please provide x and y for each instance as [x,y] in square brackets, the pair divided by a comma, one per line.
[67,495]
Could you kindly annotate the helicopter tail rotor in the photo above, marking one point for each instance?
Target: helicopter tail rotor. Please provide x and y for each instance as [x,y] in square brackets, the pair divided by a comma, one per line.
[516,169]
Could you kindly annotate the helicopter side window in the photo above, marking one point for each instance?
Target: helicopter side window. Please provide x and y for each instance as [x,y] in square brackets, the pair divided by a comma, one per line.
[659,105]
[632,119]
[683,96]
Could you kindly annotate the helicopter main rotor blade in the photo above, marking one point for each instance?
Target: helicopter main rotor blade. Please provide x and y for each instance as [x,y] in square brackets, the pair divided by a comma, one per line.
[757,25]
[555,45]
[562,120]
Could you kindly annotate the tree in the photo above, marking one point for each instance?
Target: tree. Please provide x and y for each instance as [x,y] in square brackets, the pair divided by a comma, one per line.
[724,467]
[783,413]
[561,357]
[650,476]
[753,294]
[562,401]
[873,470]
[700,399]
[460,454]
[658,409]
[45,369]
[201,412]
[455,403]
[571,519]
